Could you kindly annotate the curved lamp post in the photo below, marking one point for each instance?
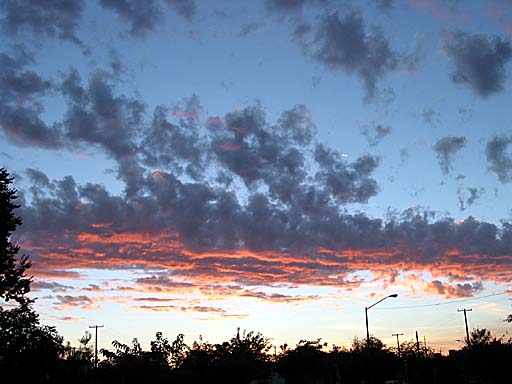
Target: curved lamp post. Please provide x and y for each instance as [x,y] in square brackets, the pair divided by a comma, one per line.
[366,314]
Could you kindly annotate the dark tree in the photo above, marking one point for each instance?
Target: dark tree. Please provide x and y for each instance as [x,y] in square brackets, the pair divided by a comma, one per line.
[307,363]
[28,351]
[13,282]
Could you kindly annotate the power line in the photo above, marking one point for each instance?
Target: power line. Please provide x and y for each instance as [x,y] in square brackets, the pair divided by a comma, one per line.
[446,302]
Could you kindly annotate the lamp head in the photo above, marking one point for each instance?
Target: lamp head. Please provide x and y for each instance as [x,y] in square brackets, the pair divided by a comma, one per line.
[393,295]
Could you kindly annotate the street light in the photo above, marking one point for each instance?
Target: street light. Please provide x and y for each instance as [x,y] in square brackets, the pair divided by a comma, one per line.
[366,314]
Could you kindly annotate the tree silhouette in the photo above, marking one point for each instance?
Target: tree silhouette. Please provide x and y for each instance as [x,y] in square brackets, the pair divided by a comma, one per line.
[26,347]
[487,356]
[306,363]
[480,338]
[13,282]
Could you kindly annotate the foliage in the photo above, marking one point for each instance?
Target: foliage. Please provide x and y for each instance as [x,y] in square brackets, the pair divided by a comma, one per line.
[480,337]
[361,345]
[242,359]
[13,282]
[486,358]
[409,350]
[26,346]
[83,354]
[305,363]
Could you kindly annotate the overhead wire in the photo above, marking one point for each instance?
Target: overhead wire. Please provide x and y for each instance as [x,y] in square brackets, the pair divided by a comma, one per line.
[444,302]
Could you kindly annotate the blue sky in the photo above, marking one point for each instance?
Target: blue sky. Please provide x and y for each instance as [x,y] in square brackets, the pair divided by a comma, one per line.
[273,165]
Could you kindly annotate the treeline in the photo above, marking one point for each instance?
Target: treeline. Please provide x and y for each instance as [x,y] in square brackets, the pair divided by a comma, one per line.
[37,355]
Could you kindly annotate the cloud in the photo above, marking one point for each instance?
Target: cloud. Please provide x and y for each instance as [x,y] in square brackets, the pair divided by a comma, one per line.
[173,146]
[57,19]
[144,16]
[53,286]
[467,201]
[25,127]
[184,8]
[376,133]
[445,150]
[344,42]
[249,28]
[441,10]
[499,161]
[17,83]
[153,299]
[276,297]
[93,288]
[97,115]
[224,241]
[457,290]
[81,301]
[383,5]
[431,117]
[287,222]
[479,60]
[20,109]
[175,308]
[347,183]
[288,5]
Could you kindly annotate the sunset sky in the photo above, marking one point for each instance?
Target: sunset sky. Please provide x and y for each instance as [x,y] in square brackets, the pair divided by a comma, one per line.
[193,166]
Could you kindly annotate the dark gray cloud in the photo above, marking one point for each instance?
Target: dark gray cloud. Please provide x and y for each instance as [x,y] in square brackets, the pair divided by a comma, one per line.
[346,182]
[53,286]
[142,16]
[457,290]
[173,146]
[287,5]
[243,145]
[75,301]
[97,115]
[431,117]
[383,5]
[468,196]
[498,158]
[145,16]
[275,297]
[344,42]
[376,133]
[294,204]
[212,220]
[404,156]
[445,150]
[249,28]
[20,109]
[466,114]
[185,8]
[25,127]
[52,18]
[15,81]
[479,60]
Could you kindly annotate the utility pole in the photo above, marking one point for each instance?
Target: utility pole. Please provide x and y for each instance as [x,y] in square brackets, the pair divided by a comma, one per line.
[417,344]
[466,321]
[96,342]
[425,344]
[367,331]
[397,342]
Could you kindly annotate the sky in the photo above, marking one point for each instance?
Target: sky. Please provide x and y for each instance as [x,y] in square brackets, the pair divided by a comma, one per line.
[192,167]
